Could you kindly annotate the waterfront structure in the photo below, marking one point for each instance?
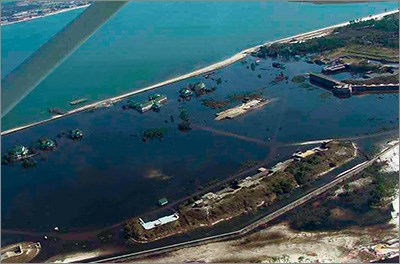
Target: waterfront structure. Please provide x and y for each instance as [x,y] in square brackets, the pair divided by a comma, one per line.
[145,106]
[344,90]
[46,144]
[75,134]
[262,169]
[19,152]
[335,68]
[158,222]
[185,92]
[155,102]
[158,98]
[241,109]
[163,201]
[301,155]
[200,86]
[324,80]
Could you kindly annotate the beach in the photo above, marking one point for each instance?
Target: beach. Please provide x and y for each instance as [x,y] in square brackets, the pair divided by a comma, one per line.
[216,66]
[46,15]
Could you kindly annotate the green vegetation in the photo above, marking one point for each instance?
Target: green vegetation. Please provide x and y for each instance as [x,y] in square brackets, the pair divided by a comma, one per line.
[299,79]
[240,199]
[365,205]
[385,185]
[212,103]
[372,35]
[376,80]
[364,66]
[28,163]
[200,88]
[308,169]
[185,125]
[46,144]
[154,133]
[218,104]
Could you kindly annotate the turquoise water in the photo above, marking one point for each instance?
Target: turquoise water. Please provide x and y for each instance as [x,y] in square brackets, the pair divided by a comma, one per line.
[146,43]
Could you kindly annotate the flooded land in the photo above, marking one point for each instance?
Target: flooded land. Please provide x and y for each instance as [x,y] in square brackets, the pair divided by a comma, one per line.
[147,156]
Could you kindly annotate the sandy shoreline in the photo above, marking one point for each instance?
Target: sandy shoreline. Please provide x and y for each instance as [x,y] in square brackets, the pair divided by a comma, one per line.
[210,68]
[46,15]
[280,244]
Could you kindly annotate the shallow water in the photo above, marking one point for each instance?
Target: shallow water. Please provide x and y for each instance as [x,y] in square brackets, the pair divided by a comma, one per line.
[146,43]
[106,177]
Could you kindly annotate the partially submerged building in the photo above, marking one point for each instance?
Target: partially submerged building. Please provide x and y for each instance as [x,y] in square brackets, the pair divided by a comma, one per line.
[162,201]
[75,134]
[335,68]
[154,103]
[46,144]
[19,152]
[185,92]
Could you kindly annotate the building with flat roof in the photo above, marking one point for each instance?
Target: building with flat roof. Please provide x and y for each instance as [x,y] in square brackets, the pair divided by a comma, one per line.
[158,222]
[163,201]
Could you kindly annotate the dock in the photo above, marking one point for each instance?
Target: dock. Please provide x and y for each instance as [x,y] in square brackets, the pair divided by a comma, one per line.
[242,109]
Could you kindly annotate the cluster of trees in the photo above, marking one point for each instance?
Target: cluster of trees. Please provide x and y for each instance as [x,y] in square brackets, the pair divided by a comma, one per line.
[381,33]
[364,205]
[267,191]
[185,125]
[154,133]
[283,185]
[386,185]
[304,171]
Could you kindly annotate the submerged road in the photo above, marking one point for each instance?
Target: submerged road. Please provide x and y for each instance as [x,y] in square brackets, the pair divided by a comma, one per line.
[320,141]
[210,68]
[230,235]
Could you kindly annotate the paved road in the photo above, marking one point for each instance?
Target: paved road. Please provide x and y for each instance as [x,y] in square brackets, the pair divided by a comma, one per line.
[312,194]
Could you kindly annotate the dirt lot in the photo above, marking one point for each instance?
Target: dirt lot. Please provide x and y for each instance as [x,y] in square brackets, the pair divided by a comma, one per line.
[281,244]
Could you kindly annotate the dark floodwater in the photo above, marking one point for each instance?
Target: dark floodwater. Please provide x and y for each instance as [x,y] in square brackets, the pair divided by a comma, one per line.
[107,176]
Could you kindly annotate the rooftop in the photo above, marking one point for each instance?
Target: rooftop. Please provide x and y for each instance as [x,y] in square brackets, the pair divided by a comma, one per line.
[160,221]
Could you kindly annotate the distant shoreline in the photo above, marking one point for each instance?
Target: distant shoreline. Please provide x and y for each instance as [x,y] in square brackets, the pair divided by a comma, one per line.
[213,67]
[46,15]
